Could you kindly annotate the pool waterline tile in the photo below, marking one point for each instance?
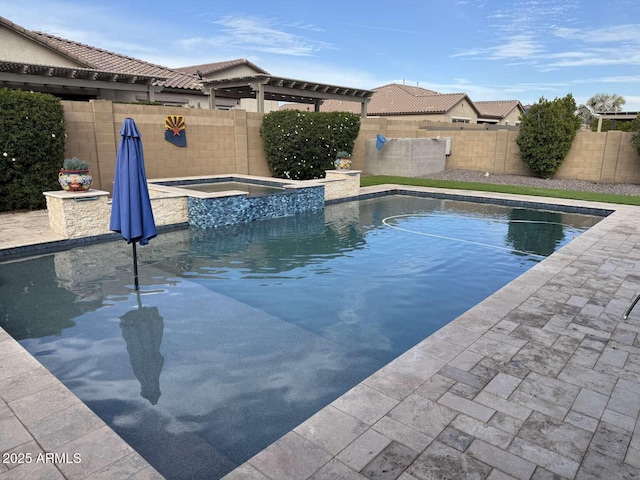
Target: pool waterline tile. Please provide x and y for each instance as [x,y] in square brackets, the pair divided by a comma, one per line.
[597,239]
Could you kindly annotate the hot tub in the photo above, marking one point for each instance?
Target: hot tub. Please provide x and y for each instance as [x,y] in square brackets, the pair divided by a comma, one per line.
[226,200]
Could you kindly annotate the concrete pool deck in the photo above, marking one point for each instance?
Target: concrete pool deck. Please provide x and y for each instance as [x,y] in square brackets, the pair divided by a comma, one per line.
[540,380]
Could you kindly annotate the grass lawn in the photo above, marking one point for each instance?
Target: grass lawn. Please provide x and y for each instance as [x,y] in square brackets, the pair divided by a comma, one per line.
[490,187]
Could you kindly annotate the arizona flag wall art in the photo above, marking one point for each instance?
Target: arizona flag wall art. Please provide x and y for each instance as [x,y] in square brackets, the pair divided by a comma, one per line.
[175,130]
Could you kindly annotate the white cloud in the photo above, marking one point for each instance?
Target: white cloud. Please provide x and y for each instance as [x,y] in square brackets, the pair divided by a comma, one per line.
[251,34]
[532,16]
[595,57]
[620,79]
[386,29]
[614,33]
[522,47]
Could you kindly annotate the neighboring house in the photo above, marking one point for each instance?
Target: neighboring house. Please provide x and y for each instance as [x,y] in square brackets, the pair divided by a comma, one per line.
[41,62]
[400,101]
[500,112]
[239,68]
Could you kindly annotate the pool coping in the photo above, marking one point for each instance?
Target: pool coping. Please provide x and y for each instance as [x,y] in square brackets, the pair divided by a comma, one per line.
[371,423]
[288,186]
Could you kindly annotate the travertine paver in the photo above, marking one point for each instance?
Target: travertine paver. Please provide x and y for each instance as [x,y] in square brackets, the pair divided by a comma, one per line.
[441,461]
[364,449]
[539,381]
[547,382]
[390,463]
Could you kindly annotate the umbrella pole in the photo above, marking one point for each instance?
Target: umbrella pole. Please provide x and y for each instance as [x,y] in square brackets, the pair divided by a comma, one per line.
[135,267]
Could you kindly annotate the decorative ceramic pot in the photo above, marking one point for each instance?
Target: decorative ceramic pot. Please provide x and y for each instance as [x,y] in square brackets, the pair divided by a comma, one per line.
[342,163]
[75,180]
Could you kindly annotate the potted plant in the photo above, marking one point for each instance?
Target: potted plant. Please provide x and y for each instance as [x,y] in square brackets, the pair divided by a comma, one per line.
[343,160]
[74,175]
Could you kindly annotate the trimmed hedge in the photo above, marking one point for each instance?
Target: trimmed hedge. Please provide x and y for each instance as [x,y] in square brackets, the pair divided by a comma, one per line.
[31,148]
[302,145]
[546,134]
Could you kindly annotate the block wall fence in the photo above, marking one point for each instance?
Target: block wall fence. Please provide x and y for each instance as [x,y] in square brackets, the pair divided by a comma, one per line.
[228,142]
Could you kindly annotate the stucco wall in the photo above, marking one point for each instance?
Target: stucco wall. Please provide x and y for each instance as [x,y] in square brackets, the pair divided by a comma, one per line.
[512,118]
[224,142]
[17,48]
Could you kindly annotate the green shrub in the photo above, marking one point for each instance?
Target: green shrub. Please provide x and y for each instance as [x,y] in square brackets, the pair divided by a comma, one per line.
[546,134]
[31,148]
[302,145]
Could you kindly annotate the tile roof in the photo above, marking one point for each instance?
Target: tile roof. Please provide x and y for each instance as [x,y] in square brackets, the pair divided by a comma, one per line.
[103,60]
[396,99]
[415,91]
[209,68]
[498,108]
[114,62]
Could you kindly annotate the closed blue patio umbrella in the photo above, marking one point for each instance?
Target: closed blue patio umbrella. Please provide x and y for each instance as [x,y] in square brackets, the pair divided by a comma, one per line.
[131,213]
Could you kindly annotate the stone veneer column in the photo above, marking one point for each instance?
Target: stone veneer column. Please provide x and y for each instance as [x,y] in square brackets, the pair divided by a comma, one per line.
[78,214]
[86,214]
[341,184]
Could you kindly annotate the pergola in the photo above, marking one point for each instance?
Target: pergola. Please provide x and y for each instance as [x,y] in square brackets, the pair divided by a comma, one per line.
[267,87]
[73,80]
[625,116]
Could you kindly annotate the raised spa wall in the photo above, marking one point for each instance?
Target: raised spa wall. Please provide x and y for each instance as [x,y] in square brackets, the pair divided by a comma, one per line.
[87,214]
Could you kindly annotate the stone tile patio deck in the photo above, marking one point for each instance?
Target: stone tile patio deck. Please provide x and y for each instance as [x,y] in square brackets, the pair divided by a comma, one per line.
[539,381]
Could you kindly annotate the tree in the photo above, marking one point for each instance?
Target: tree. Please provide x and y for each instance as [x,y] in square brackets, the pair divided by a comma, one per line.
[586,116]
[606,102]
[546,134]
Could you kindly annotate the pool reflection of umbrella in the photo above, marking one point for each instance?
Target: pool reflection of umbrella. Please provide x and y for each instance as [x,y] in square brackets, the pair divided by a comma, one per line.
[131,213]
[142,330]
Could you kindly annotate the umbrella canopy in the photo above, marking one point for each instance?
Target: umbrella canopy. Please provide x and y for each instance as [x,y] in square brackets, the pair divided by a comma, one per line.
[131,213]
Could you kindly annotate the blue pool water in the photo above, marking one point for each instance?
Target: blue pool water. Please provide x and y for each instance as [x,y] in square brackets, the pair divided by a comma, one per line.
[242,332]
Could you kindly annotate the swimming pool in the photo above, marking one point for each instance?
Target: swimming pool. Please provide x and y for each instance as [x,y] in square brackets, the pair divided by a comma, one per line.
[245,331]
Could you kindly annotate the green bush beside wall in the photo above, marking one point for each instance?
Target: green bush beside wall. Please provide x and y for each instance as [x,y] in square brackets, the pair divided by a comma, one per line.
[546,134]
[302,145]
[31,148]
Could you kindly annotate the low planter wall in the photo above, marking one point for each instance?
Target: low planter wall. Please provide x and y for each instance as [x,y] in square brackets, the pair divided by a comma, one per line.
[87,214]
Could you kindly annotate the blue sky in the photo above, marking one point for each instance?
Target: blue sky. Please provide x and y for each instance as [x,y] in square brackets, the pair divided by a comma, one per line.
[489,49]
